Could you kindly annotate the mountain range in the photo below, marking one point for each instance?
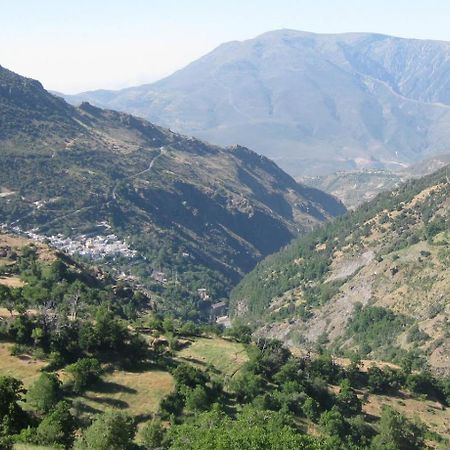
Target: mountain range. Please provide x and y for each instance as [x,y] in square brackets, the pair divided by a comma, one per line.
[196,213]
[314,103]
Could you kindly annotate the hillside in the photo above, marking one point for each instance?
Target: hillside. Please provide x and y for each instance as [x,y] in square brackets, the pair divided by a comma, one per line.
[357,187]
[376,281]
[86,362]
[148,201]
[314,103]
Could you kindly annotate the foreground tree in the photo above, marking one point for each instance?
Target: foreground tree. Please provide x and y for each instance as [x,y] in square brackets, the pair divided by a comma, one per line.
[57,428]
[252,430]
[12,416]
[45,392]
[110,431]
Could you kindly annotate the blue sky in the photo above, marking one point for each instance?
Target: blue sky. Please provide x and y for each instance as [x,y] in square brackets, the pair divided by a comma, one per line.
[85,44]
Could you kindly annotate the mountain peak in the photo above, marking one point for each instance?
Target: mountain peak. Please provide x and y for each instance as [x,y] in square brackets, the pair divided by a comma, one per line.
[314,103]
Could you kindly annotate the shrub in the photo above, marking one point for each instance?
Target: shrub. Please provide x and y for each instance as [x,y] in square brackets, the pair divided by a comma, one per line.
[110,431]
[85,372]
[45,392]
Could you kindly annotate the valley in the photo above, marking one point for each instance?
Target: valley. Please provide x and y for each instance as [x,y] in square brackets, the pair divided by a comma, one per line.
[281,281]
[139,199]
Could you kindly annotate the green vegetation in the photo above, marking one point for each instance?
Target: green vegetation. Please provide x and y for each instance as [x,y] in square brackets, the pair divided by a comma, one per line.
[101,378]
[271,401]
[199,214]
[376,330]
[306,262]
[390,254]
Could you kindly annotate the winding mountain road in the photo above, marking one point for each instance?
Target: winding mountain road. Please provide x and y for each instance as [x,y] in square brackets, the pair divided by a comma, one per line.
[136,175]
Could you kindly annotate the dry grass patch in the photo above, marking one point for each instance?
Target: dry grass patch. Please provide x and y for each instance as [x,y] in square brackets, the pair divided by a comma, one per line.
[225,356]
[427,411]
[24,368]
[12,282]
[138,393]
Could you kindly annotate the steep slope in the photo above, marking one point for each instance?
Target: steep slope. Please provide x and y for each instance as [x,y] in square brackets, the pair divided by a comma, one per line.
[313,103]
[376,280]
[166,202]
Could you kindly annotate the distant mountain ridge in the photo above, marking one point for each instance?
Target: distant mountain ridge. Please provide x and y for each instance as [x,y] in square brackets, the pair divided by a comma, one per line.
[357,187]
[199,211]
[314,103]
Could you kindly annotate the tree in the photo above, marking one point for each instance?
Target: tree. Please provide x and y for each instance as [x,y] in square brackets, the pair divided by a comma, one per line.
[12,417]
[347,400]
[168,325]
[110,431]
[172,403]
[6,298]
[377,380]
[333,424]
[311,409]
[189,376]
[152,435]
[197,399]
[240,332]
[45,392]
[247,386]
[85,372]
[189,329]
[251,430]
[421,383]
[397,432]
[57,428]
[271,357]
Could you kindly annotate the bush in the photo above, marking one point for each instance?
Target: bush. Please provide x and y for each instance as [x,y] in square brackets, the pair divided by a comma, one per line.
[85,372]
[152,435]
[45,392]
[57,428]
[110,431]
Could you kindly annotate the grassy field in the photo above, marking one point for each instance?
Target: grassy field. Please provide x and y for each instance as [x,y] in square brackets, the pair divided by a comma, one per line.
[138,393]
[225,356]
[25,368]
[427,411]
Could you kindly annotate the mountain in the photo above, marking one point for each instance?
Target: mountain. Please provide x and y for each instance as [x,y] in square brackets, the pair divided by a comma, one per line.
[314,103]
[114,187]
[356,187]
[376,281]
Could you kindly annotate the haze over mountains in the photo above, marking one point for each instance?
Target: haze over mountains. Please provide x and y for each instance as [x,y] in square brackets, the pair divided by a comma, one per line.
[314,103]
[207,212]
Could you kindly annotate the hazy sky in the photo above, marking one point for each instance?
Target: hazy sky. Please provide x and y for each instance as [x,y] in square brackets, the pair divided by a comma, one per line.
[75,45]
